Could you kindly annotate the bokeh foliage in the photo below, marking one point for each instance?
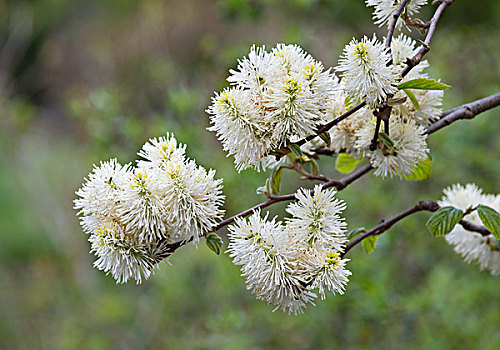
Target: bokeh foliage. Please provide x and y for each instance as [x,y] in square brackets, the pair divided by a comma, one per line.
[82,81]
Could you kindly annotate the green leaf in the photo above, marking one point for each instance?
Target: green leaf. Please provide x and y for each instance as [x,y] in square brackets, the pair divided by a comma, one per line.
[412,97]
[297,152]
[369,244]
[421,172]
[275,181]
[444,220]
[314,167]
[325,136]
[345,163]
[423,84]
[214,242]
[356,232]
[386,140]
[490,218]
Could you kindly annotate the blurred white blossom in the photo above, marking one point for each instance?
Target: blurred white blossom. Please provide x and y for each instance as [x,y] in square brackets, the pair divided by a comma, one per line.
[384,9]
[472,245]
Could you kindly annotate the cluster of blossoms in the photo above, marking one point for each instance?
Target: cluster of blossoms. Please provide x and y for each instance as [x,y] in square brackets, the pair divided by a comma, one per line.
[284,263]
[276,97]
[282,96]
[132,213]
[136,216]
[366,61]
[472,245]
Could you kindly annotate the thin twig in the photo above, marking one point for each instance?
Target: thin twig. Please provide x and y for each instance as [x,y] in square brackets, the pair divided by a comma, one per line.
[466,111]
[331,124]
[425,48]
[475,228]
[373,143]
[346,181]
[305,174]
[420,206]
[392,25]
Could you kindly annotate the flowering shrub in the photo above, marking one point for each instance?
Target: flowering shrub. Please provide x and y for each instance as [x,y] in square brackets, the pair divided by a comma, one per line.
[282,111]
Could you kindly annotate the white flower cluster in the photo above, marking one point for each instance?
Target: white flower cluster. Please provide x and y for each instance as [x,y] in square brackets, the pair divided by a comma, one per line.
[275,97]
[384,10]
[472,245]
[133,213]
[284,263]
[406,123]
[284,95]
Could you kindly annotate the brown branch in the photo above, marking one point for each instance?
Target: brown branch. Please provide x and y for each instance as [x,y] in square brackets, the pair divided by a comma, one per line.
[420,206]
[305,174]
[425,48]
[466,111]
[374,142]
[392,25]
[331,124]
[324,151]
[469,226]
[346,181]
[270,201]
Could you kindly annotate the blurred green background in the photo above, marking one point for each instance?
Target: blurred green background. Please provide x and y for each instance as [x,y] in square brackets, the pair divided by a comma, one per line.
[85,80]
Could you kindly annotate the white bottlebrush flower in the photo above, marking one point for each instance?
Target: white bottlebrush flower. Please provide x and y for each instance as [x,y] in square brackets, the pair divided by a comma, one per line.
[343,135]
[463,197]
[430,103]
[365,72]
[294,58]
[269,262]
[316,218]
[256,71]
[384,9]
[408,147]
[402,48]
[161,150]
[240,127]
[472,245]
[121,258]
[276,96]
[98,196]
[338,101]
[193,199]
[142,209]
[292,110]
[328,272]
